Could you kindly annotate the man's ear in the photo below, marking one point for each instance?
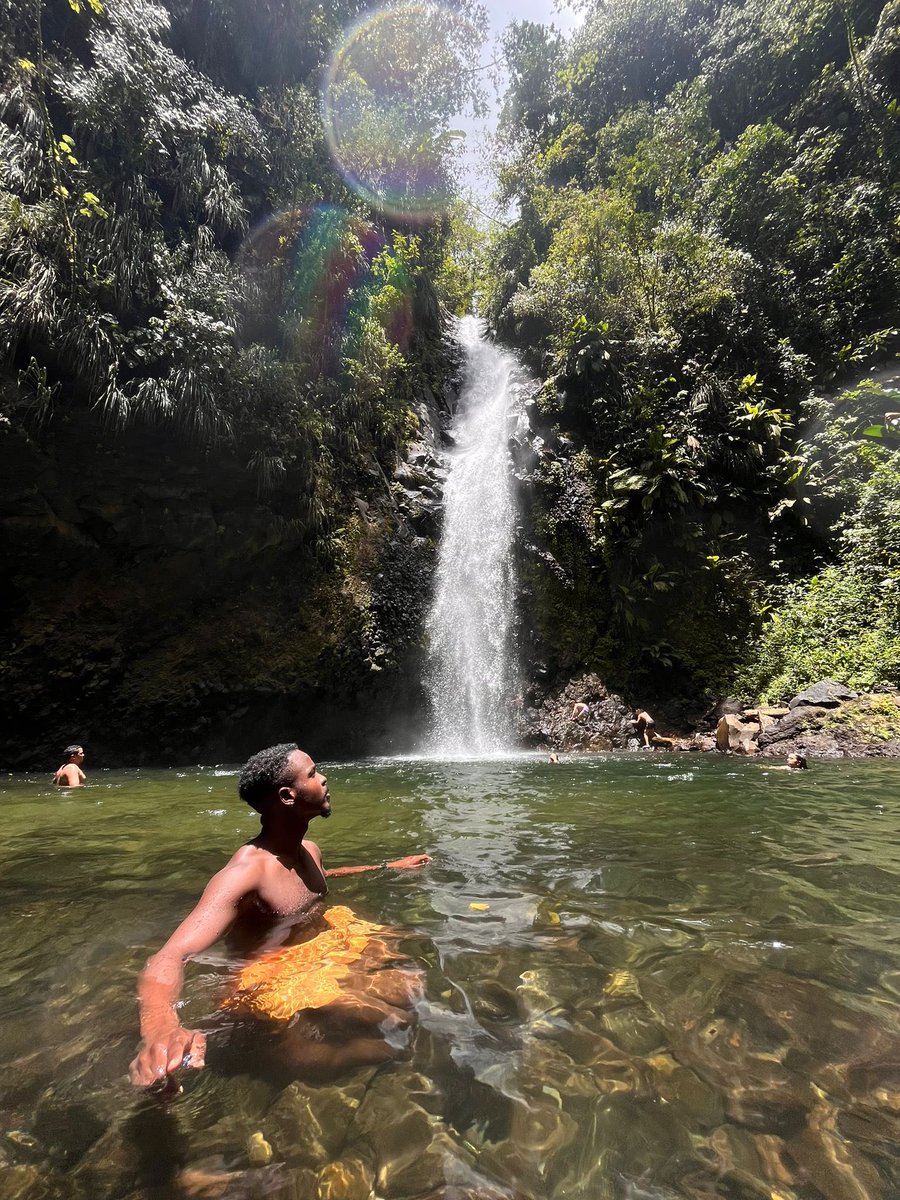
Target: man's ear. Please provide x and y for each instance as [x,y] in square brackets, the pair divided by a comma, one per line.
[286,796]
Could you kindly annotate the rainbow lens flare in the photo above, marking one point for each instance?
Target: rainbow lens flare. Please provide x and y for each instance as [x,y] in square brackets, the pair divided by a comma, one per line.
[393,83]
[313,276]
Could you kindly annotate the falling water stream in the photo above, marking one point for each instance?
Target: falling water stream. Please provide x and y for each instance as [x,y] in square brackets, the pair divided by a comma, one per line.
[472,673]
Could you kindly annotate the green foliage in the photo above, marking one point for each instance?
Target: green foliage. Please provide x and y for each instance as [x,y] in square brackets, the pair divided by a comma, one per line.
[708,226]
[533,55]
[838,625]
[844,623]
[840,458]
[139,146]
[632,52]
[387,98]
[459,279]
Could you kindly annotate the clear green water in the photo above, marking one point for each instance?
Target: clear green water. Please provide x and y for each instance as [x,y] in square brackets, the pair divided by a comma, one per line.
[687,984]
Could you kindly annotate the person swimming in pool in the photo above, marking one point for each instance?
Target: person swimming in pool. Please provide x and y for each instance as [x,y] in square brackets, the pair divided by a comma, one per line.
[793,762]
[70,774]
[270,886]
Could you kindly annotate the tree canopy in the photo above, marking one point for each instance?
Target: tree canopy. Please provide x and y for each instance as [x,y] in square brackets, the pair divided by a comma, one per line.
[179,243]
[706,242]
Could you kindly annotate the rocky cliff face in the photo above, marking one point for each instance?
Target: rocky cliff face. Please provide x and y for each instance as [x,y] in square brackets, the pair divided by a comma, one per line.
[160,609]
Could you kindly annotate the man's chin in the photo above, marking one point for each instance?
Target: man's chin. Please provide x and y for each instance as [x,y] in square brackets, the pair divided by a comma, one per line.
[326,810]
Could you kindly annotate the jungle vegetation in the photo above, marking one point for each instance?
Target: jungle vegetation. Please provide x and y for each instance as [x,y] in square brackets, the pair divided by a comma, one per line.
[179,247]
[703,271]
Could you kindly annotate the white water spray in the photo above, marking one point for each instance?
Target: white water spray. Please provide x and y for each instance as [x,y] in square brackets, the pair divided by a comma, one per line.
[472,678]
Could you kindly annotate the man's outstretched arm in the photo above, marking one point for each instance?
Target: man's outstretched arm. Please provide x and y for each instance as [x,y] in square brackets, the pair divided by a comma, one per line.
[398,864]
[164,1043]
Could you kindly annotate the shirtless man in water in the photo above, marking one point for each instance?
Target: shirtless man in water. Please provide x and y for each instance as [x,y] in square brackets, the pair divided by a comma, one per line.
[259,896]
[70,773]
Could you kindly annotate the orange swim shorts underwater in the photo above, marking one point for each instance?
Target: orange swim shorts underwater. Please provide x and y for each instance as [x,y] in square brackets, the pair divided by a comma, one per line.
[312,974]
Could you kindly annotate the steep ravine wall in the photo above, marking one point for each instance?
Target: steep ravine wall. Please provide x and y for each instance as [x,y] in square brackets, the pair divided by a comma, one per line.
[160,609]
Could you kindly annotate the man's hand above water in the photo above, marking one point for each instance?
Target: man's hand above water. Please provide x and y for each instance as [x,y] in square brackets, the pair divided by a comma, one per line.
[159,1056]
[411,860]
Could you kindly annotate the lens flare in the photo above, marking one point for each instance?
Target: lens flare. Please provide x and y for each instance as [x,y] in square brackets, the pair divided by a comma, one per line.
[313,276]
[393,83]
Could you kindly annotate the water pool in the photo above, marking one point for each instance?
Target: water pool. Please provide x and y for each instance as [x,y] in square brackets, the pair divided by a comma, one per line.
[682,980]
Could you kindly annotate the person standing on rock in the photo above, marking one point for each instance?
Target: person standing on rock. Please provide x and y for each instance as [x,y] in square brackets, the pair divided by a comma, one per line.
[70,774]
[643,726]
[326,980]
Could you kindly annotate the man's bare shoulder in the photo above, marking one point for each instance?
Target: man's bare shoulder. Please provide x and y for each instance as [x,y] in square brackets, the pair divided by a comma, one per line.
[248,851]
[243,872]
[68,776]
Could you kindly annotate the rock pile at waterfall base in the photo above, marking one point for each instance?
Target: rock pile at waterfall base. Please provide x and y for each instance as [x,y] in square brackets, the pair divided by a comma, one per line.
[547,721]
[865,725]
[826,720]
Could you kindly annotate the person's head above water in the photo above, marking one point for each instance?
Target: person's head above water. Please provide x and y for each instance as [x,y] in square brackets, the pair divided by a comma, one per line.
[74,751]
[797,762]
[287,776]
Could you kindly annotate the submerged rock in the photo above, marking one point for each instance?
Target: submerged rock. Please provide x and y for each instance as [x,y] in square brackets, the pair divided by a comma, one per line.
[349,1178]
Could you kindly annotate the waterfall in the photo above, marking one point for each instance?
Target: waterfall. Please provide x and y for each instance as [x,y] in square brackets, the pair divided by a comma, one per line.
[472,676]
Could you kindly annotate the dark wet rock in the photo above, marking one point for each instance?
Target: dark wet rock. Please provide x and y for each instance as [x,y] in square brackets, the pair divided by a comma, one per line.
[548,1069]
[809,1020]
[237,1096]
[825,694]
[685,989]
[705,743]
[141,570]
[626,1140]
[144,1148]
[758,1090]
[729,706]
[411,1153]
[867,726]
[544,989]
[540,1132]
[872,1130]
[553,725]
[411,1176]
[393,1128]
[613,1070]
[790,728]
[524,457]
[633,1027]
[26,1181]
[212,1180]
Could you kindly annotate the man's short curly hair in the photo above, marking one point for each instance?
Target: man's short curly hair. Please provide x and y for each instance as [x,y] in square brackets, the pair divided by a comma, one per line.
[264,773]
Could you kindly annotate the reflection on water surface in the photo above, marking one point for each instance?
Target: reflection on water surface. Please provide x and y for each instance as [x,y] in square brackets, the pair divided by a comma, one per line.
[682,979]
